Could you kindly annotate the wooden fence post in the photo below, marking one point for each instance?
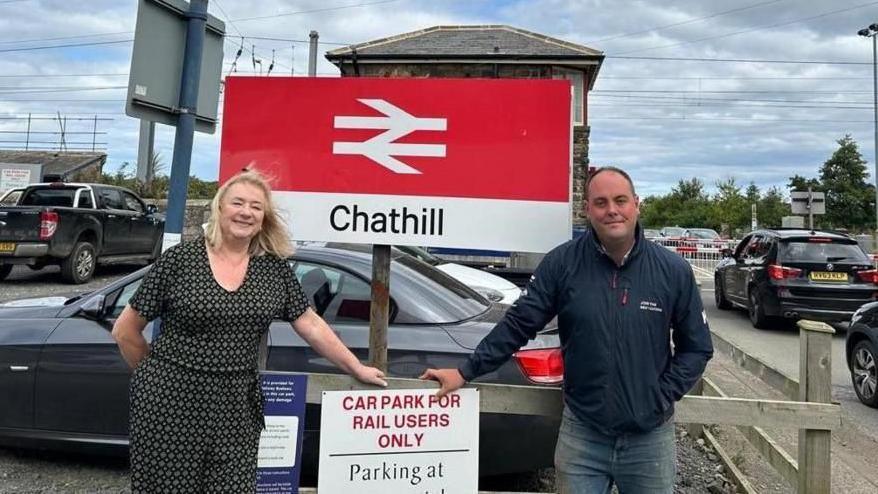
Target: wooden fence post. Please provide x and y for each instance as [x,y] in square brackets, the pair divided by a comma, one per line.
[815,385]
[693,429]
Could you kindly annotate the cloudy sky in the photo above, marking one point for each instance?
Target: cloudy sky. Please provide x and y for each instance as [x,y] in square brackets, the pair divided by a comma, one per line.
[750,89]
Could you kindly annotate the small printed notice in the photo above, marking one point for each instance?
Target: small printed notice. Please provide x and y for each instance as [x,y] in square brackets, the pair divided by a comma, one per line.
[399,441]
[11,178]
[280,445]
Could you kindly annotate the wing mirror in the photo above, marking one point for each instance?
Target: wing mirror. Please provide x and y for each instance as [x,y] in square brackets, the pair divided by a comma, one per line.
[152,209]
[94,307]
[726,252]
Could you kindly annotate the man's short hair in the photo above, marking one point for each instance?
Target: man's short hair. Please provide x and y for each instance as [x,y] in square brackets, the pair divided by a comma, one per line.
[608,169]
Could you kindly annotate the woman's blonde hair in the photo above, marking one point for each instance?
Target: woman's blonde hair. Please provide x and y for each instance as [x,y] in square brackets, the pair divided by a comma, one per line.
[272,238]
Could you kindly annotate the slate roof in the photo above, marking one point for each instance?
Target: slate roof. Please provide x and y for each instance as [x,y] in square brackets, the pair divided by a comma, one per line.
[54,162]
[484,41]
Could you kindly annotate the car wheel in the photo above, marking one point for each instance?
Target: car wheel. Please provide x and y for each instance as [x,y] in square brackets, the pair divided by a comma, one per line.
[5,269]
[79,266]
[719,295]
[756,311]
[863,373]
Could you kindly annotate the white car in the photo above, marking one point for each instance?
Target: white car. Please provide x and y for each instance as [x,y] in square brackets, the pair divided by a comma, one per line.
[491,286]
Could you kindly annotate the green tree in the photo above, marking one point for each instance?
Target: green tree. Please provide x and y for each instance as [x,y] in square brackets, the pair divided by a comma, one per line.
[771,208]
[685,205]
[849,198]
[752,194]
[798,182]
[730,208]
[690,203]
[157,189]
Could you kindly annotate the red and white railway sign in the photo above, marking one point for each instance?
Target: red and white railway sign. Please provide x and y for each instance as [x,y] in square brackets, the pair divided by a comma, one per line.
[470,163]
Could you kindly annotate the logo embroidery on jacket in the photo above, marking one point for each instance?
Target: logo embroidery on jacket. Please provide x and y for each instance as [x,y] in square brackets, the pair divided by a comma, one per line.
[650,306]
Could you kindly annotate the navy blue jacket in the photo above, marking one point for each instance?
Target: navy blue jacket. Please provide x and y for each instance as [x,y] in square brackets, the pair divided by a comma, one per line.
[620,373]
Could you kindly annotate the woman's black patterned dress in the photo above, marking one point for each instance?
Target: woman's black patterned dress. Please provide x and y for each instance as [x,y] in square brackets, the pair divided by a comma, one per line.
[196,405]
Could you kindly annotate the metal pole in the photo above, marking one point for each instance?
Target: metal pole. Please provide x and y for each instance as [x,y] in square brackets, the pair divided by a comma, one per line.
[94,134]
[312,54]
[875,124]
[27,136]
[810,210]
[197,19]
[145,152]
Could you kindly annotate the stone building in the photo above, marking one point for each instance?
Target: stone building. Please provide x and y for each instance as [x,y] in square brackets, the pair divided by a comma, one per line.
[490,51]
[69,166]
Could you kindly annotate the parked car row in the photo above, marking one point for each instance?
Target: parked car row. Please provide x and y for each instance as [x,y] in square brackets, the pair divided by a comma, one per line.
[675,236]
[67,385]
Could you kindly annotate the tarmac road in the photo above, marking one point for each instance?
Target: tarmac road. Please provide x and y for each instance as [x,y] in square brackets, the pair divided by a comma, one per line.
[24,282]
[779,348]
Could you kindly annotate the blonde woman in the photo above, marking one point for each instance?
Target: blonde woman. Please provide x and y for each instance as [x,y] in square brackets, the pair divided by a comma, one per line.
[196,405]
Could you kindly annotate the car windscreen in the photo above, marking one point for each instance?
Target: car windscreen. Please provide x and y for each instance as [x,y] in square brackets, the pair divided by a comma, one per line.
[805,250]
[673,232]
[10,199]
[59,197]
[434,296]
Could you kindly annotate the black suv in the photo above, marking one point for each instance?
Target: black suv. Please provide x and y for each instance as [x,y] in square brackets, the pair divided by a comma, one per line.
[794,273]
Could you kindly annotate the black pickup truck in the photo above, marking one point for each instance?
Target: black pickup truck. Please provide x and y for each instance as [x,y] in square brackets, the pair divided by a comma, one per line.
[78,226]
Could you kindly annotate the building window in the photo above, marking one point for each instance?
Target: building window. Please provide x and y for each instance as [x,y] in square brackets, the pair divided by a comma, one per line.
[577,78]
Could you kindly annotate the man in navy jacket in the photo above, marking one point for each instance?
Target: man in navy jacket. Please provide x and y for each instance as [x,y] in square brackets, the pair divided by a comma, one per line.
[620,301]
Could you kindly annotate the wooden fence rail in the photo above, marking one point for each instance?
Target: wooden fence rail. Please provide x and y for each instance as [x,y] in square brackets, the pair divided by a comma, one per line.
[779,459]
[814,415]
[812,473]
[546,401]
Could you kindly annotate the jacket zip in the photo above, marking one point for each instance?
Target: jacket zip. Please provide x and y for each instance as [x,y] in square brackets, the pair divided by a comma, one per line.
[615,285]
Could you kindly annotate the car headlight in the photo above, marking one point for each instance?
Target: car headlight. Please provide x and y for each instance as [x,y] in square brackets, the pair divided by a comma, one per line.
[489,293]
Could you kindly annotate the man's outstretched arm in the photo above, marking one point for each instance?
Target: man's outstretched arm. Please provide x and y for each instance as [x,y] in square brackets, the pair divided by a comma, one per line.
[528,315]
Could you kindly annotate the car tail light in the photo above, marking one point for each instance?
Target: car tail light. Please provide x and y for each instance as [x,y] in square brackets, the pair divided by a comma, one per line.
[821,240]
[543,365]
[778,272]
[48,224]
[869,276]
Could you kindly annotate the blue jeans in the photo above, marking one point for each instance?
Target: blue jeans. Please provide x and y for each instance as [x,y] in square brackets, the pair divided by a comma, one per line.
[587,461]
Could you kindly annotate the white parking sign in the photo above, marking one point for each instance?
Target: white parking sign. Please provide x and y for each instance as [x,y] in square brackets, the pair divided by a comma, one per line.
[400,441]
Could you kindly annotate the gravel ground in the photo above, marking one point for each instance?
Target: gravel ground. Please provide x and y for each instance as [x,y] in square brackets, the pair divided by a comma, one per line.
[24,282]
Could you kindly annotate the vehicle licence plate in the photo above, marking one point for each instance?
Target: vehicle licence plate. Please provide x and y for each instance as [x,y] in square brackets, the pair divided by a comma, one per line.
[827,276]
[7,247]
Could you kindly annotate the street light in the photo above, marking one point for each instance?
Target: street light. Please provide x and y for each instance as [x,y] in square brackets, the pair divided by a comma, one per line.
[871,32]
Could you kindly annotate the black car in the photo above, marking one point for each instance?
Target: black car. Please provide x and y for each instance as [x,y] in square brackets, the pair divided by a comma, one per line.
[78,226]
[793,274]
[63,382]
[861,343]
